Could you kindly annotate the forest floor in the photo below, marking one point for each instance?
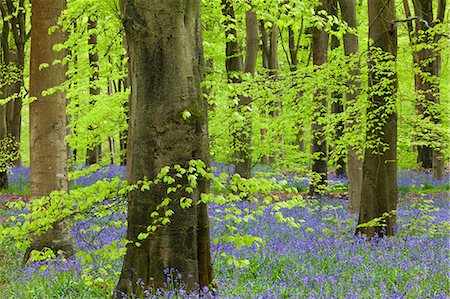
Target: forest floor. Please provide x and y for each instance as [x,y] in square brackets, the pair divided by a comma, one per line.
[307,251]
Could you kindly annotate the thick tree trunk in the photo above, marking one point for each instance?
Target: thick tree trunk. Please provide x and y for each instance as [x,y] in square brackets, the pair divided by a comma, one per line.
[351,46]
[318,142]
[166,59]
[379,185]
[48,149]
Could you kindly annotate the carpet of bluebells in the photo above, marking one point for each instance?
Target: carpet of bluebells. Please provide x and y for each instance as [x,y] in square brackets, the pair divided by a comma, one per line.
[321,259]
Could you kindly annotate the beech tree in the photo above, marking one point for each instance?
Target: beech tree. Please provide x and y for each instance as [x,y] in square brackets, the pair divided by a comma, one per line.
[93,153]
[351,46]
[235,67]
[48,148]
[168,126]
[424,38]
[3,174]
[13,39]
[319,149]
[379,192]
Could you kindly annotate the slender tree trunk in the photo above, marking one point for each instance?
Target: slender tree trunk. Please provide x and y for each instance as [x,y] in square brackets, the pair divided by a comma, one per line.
[3,173]
[17,26]
[242,132]
[355,163]
[93,153]
[111,149]
[3,128]
[243,156]
[438,152]
[337,106]
[269,40]
[166,60]
[294,46]
[48,149]
[427,80]
[14,117]
[379,185]
[318,142]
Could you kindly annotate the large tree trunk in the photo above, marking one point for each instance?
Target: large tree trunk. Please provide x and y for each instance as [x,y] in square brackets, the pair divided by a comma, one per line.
[48,149]
[318,142]
[351,46]
[166,59]
[379,185]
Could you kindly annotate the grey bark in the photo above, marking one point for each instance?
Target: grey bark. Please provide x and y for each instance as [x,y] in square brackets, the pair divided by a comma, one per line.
[379,192]
[48,149]
[166,60]
[351,46]
[318,142]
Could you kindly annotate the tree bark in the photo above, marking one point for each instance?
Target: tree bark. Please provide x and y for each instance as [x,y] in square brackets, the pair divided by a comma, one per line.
[337,105]
[166,60]
[355,163]
[17,27]
[428,62]
[379,185]
[3,173]
[269,40]
[235,66]
[93,153]
[318,143]
[243,154]
[48,149]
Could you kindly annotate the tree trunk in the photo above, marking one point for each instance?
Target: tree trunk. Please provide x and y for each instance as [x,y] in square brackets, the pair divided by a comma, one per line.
[3,173]
[166,60]
[379,185]
[318,142]
[93,153]
[269,39]
[428,61]
[48,149]
[294,46]
[111,149]
[351,46]
[243,154]
[242,132]
[337,106]
[14,117]
[16,25]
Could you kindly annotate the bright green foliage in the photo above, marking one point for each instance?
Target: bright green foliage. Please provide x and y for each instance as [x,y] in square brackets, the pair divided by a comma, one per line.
[8,152]
[95,118]
[296,89]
